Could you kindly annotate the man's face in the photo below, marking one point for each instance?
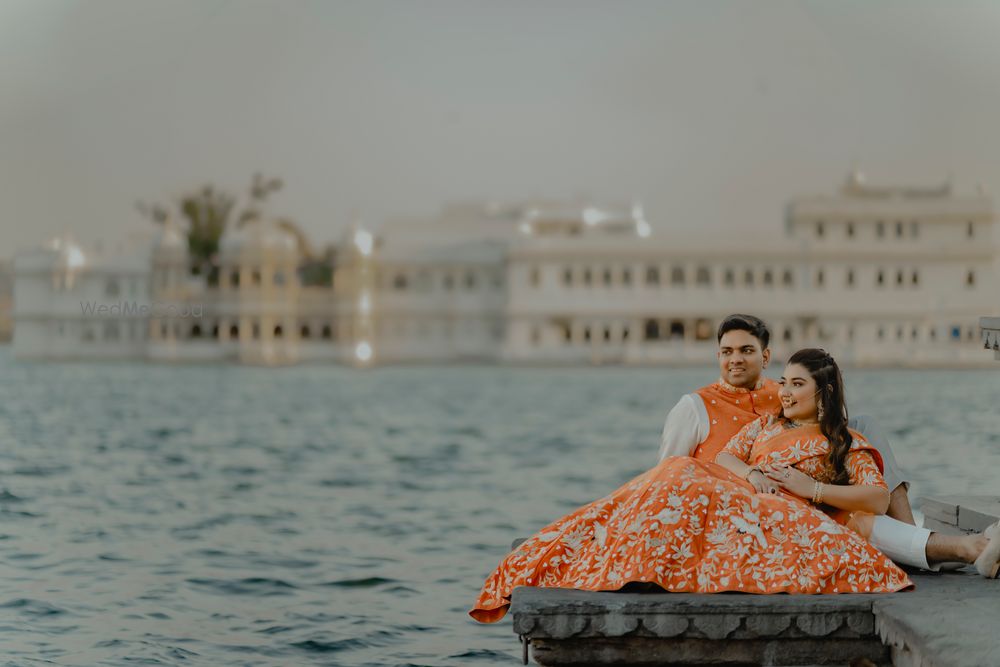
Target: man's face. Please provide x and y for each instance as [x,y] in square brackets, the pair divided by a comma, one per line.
[741,359]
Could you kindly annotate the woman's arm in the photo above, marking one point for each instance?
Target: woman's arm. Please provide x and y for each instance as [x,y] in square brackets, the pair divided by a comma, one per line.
[857,498]
[733,464]
[852,497]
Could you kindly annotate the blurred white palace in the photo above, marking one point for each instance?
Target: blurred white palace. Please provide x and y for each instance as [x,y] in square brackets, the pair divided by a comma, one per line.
[878,276]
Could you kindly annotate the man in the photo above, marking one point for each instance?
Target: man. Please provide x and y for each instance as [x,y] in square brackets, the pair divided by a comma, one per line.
[702,423]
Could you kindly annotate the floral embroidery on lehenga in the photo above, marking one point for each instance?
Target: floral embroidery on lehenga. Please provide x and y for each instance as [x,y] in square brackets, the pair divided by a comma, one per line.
[692,526]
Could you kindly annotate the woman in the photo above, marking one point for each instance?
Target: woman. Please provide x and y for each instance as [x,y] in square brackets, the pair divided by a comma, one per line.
[779,512]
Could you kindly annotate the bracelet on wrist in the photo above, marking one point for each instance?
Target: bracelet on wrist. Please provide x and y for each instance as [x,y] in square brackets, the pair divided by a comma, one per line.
[817,492]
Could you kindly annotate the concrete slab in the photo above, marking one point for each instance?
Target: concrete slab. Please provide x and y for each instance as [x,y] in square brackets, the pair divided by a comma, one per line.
[951,620]
[948,621]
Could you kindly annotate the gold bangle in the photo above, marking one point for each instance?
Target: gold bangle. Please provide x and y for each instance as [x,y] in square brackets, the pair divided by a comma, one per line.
[817,492]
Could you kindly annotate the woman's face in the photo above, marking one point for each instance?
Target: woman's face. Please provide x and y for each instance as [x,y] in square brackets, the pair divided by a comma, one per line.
[798,394]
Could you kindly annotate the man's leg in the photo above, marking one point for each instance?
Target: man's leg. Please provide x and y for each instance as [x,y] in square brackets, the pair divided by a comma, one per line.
[954,548]
[899,501]
[906,544]
[899,506]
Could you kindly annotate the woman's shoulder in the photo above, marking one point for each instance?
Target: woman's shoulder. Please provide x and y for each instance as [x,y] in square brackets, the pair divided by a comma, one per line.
[858,441]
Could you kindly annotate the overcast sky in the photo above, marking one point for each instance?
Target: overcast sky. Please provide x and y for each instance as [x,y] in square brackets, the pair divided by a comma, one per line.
[712,113]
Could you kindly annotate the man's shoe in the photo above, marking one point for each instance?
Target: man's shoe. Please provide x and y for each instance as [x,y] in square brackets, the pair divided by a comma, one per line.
[988,563]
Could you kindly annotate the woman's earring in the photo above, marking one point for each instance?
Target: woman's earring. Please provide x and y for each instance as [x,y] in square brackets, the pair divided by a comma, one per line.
[819,412]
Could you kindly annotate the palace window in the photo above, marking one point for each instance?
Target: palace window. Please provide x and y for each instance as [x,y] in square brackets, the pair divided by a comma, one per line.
[899,277]
[703,276]
[535,277]
[626,276]
[677,275]
[255,331]
[304,332]
[567,333]
[111,287]
[234,278]
[607,277]
[729,278]
[768,278]
[880,278]
[111,331]
[880,229]
[607,333]
[787,335]
[652,275]
[234,331]
[196,331]
[820,277]
[215,331]
[399,281]
[787,278]
[448,282]
[652,330]
[568,276]
[850,230]
[970,230]
[255,277]
[676,329]
[279,332]
[748,277]
[899,230]
[820,229]
[470,280]
[850,277]
[327,332]
[915,278]
[970,278]
[586,334]
[624,333]
[587,277]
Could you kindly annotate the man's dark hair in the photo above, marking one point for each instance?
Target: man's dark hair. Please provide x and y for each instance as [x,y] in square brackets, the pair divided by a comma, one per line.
[752,325]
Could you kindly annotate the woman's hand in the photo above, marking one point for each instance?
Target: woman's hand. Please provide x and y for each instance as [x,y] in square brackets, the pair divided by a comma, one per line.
[792,480]
[761,483]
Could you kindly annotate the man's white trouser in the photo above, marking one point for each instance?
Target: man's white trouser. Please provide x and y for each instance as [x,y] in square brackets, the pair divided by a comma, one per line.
[903,543]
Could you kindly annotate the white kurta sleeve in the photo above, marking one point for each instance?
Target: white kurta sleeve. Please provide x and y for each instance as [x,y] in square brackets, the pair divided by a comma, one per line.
[684,429]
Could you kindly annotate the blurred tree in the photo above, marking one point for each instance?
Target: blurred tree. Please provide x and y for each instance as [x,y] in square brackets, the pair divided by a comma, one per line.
[317,270]
[207,212]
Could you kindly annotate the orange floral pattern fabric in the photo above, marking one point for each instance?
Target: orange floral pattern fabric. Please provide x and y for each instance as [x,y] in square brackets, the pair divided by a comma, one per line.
[694,527]
[731,408]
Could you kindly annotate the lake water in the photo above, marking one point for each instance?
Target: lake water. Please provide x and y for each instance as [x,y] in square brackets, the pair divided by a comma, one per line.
[224,515]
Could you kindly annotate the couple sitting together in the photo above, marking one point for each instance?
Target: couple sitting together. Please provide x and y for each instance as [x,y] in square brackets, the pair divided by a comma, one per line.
[762,487]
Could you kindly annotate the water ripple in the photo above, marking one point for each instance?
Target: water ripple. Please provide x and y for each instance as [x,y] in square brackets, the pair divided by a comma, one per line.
[222,515]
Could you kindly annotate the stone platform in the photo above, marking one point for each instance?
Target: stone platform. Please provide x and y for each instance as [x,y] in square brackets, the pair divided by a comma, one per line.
[950,620]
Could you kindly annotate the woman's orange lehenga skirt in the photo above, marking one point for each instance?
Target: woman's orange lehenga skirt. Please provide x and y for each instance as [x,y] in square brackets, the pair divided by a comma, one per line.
[692,527]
